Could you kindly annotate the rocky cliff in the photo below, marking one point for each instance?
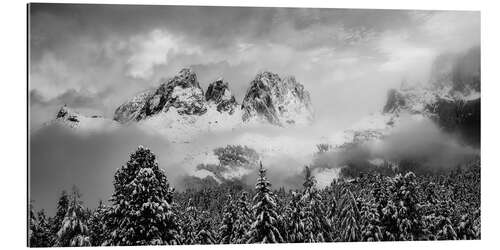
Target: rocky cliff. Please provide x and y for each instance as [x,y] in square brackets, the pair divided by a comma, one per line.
[277,101]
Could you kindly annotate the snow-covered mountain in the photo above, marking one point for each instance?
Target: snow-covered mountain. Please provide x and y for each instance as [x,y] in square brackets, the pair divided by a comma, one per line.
[277,101]
[451,99]
[69,118]
[181,92]
[180,110]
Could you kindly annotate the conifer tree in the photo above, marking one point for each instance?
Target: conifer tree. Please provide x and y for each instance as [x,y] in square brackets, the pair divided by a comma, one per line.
[141,211]
[295,219]
[39,229]
[317,228]
[74,231]
[195,226]
[32,225]
[205,233]
[97,225]
[62,208]
[263,229]
[243,219]
[229,216]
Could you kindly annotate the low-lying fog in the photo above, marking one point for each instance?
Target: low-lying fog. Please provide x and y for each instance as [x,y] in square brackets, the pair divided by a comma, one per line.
[62,157]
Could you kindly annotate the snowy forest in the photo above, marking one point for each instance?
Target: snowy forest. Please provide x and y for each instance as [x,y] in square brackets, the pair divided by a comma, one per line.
[371,205]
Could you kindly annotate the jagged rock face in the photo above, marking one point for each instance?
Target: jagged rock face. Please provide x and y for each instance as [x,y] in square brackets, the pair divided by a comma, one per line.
[395,100]
[453,111]
[182,92]
[68,116]
[130,110]
[218,93]
[453,78]
[416,100]
[277,101]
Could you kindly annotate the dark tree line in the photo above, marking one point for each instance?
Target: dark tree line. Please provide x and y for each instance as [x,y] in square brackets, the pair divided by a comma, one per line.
[145,210]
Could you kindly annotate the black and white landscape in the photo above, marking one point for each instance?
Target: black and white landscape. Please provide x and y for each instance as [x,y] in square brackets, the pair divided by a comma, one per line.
[153,125]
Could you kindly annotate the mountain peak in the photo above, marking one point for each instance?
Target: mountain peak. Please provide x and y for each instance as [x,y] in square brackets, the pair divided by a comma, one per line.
[186,77]
[277,101]
[66,113]
[67,117]
[181,92]
[219,94]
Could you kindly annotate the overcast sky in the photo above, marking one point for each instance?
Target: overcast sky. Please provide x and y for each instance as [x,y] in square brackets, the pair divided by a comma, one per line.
[94,57]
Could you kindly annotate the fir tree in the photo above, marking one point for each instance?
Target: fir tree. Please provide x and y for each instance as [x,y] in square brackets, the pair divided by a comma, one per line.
[62,208]
[195,226]
[39,229]
[229,216]
[243,219]
[205,233]
[264,228]
[188,220]
[141,213]
[74,231]
[32,226]
[97,225]
[316,226]
[350,214]
[295,219]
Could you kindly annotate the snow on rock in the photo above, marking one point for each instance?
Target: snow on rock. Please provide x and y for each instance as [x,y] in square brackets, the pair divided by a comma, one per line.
[218,93]
[182,92]
[69,118]
[277,101]
[130,110]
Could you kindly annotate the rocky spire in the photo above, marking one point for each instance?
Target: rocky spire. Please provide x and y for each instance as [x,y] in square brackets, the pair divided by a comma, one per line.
[277,101]
[219,94]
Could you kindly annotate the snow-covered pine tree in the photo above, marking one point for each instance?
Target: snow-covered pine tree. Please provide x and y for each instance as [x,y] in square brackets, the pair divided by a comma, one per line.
[195,226]
[32,226]
[187,225]
[39,229]
[317,228]
[228,218]
[141,212]
[74,231]
[243,219]
[97,227]
[62,208]
[351,217]
[295,219]
[205,233]
[263,229]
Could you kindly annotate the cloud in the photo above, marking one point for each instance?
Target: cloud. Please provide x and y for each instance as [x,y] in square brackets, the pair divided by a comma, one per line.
[419,141]
[154,49]
[423,142]
[43,109]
